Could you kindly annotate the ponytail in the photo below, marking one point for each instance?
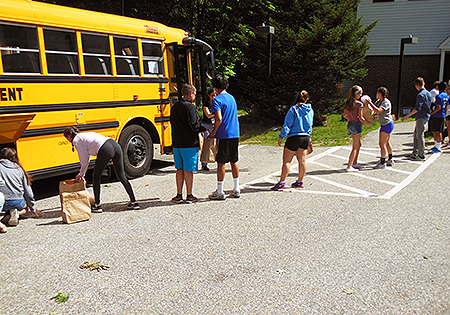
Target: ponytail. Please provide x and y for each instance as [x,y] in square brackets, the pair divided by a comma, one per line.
[302,97]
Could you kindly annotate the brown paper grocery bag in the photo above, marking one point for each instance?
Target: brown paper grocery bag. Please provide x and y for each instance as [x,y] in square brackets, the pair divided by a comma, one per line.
[208,154]
[369,114]
[75,201]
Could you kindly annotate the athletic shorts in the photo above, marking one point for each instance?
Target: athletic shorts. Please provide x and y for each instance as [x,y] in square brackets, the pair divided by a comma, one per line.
[297,142]
[436,124]
[388,128]
[186,159]
[18,204]
[227,150]
[354,128]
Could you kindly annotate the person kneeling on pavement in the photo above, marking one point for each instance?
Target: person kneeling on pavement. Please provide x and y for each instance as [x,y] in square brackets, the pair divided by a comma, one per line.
[15,185]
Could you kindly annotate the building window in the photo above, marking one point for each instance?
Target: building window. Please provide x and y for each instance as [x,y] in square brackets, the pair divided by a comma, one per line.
[20,49]
[126,54]
[96,54]
[153,57]
[61,51]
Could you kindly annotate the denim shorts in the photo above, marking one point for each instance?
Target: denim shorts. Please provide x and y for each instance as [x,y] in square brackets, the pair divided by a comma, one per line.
[186,159]
[18,204]
[354,128]
[388,128]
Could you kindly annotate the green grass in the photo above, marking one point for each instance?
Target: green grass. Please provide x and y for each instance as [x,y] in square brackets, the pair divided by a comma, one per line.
[332,134]
[240,112]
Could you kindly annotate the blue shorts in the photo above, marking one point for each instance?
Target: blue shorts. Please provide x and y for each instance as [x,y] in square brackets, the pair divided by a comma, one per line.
[388,128]
[354,128]
[18,204]
[186,159]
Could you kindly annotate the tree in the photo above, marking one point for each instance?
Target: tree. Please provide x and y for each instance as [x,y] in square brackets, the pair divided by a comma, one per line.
[317,45]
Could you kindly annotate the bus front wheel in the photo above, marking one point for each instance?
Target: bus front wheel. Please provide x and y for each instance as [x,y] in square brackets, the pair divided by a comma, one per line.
[137,147]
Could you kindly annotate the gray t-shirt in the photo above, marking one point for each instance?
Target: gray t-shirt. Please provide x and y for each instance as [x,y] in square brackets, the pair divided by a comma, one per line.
[385,117]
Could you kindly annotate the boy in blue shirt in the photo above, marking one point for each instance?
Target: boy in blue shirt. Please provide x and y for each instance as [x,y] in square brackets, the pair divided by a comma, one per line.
[436,124]
[226,130]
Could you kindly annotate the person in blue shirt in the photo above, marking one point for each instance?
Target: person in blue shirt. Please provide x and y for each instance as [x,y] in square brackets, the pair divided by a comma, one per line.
[436,124]
[226,131]
[447,115]
[422,109]
[297,129]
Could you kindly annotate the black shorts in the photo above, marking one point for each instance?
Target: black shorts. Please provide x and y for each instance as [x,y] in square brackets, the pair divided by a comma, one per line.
[227,150]
[297,142]
[447,118]
[436,124]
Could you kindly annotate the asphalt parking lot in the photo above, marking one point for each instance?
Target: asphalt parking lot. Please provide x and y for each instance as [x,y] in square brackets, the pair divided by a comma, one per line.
[372,242]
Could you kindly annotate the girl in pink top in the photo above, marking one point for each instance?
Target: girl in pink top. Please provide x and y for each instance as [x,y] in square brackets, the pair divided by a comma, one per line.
[105,149]
[353,112]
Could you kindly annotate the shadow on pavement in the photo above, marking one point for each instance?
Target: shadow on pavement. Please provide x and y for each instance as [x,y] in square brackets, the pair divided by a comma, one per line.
[49,187]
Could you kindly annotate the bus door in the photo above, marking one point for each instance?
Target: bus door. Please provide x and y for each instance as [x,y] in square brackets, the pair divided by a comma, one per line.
[190,66]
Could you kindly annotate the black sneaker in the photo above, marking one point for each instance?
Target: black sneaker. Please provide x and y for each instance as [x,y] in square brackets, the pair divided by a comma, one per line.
[178,198]
[420,158]
[133,206]
[96,209]
[205,168]
[191,199]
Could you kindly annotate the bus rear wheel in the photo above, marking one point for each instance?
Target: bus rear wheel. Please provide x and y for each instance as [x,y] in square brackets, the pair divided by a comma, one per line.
[137,147]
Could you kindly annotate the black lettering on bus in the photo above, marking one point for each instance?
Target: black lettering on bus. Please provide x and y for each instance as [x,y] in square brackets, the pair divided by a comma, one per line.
[12,94]
[3,95]
[19,90]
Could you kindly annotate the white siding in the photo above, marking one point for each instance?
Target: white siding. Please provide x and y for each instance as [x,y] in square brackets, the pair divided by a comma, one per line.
[429,20]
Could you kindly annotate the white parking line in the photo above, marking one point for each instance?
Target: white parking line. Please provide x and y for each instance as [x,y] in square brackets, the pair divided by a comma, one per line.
[363,151]
[338,157]
[393,169]
[354,192]
[320,164]
[411,177]
[375,179]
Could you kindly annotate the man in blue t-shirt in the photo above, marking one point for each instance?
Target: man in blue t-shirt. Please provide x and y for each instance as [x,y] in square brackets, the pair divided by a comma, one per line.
[436,124]
[226,130]
[423,103]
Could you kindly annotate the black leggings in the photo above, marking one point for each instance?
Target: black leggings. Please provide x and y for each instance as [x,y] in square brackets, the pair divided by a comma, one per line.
[110,150]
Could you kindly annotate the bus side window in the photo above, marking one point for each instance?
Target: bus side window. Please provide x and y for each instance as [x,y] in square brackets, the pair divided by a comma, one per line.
[153,57]
[126,53]
[61,51]
[19,49]
[96,54]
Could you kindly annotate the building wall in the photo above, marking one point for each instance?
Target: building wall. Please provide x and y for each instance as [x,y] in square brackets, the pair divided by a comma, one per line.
[383,71]
[429,20]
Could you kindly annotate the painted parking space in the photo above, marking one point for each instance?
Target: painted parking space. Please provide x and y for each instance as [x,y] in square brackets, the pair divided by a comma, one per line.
[326,174]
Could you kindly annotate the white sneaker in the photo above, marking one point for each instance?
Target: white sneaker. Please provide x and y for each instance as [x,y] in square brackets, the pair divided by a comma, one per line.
[390,163]
[351,169]
[14,219]
[216,196]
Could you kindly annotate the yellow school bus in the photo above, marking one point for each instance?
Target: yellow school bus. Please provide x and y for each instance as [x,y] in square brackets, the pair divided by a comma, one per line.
[114,75]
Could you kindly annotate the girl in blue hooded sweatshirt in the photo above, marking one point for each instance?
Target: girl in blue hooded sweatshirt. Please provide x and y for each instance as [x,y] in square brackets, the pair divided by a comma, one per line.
[297,129]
